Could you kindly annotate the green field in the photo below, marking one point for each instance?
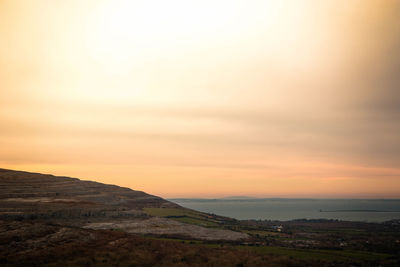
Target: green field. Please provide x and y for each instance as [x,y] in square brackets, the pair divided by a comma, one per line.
[183,215]
[302,254]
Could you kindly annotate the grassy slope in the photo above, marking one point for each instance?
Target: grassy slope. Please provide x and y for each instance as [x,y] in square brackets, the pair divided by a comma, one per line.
[184,215]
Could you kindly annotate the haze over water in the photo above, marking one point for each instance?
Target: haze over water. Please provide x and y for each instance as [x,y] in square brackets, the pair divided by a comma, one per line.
[283,209]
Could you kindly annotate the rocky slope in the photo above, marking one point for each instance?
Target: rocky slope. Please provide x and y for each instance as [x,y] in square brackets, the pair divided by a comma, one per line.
[41,195]
[73,202]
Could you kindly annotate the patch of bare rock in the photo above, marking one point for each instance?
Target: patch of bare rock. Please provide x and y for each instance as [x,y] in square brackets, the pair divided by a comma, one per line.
[163,226]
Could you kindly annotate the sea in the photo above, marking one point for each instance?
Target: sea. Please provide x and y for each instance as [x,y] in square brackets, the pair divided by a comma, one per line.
[285,209]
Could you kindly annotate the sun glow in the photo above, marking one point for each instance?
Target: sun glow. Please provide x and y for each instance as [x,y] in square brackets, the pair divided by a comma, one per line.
[148,52]
[119,33]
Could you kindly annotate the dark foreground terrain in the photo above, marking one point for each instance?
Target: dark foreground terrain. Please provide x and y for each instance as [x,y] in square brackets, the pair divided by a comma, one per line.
[61,221]
[33,243]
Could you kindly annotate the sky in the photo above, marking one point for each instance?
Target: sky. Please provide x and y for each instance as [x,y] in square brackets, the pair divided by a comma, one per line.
[205,98]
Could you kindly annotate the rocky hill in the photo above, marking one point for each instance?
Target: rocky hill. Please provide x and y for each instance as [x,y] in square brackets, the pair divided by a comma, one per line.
[92,205]
[42,195]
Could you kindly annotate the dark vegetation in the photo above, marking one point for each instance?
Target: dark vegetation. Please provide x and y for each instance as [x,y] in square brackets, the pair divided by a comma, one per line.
[33,243]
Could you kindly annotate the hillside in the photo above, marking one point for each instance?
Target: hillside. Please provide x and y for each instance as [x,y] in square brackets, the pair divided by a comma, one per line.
[73,202]
[26,194]
[50,220]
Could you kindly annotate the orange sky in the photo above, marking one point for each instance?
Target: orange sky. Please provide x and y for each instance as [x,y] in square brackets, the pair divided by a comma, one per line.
[205,98]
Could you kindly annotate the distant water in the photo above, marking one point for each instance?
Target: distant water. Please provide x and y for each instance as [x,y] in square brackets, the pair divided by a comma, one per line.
[367,210]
